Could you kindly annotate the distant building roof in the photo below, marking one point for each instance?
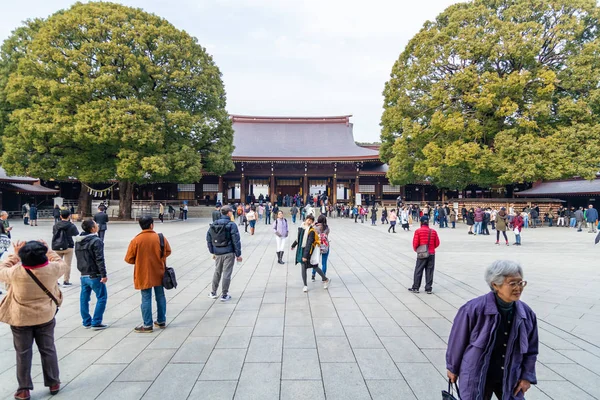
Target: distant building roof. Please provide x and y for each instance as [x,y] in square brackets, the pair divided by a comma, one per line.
[566,187]
[16,179]
[29,189]
[297,138]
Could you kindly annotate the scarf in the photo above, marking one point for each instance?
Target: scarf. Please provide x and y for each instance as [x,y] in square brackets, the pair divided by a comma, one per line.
[306,232]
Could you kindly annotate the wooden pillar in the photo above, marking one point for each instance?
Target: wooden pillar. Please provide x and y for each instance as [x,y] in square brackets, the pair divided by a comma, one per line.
[243,189]
[305,188]
[273,189]
[334,190]
[357,185]
[423,194]
[220,188]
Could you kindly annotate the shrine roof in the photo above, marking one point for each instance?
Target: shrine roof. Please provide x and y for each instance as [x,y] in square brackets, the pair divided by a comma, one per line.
[297,138]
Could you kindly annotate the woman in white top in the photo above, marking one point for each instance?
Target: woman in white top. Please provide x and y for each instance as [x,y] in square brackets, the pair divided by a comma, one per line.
[251,218]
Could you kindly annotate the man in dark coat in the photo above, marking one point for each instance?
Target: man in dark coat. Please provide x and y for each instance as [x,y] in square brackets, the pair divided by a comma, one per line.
[101,218]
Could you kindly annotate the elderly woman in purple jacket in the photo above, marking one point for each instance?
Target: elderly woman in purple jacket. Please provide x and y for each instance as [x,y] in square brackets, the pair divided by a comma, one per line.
[493,344]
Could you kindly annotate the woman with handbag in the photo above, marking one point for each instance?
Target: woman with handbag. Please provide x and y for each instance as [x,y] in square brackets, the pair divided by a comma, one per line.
[251,218]
[29,308]
[323,231]
[308,252]
[493,345]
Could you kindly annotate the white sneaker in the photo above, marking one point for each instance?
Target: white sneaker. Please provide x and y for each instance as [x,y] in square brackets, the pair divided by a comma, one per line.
[212,295]
[326,284]
[305,289]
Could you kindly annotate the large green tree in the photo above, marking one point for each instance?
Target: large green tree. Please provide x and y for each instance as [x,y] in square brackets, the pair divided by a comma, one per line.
[102,91]
[496,91]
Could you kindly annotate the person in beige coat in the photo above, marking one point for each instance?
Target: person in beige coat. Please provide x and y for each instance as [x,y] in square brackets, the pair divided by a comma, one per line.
[30,311]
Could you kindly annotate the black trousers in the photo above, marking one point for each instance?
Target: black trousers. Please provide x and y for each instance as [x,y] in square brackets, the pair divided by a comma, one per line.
[23,337]
[426,265]
[101,235]
[492,388]
[306,265]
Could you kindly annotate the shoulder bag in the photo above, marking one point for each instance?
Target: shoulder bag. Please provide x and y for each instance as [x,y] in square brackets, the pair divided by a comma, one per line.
[423,250]
[41,285]
[169,278]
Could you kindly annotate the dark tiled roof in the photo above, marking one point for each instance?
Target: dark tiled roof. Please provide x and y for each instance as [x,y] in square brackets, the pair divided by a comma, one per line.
[272,138]
[572,187]
[30,189]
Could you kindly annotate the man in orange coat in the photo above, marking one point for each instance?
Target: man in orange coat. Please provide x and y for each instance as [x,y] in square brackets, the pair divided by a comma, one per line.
[144,252]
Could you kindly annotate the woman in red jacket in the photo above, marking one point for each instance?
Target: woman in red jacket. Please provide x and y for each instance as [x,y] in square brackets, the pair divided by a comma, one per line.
[517,225]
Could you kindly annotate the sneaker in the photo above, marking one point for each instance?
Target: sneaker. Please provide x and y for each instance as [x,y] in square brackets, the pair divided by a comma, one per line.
[507,244]
[99,327]
[67,284]
[429,292]
[54,389]
[22,394]
[413,290]
[305,289]
[225,297]
[497,242]
[143,329]
[212,295]
[87,326]
[161,325]
[313,278]
[326,283]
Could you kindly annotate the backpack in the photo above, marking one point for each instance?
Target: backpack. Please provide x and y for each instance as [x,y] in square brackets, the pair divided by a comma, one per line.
[60,241]
[219,235]
[324,243]
[239,211]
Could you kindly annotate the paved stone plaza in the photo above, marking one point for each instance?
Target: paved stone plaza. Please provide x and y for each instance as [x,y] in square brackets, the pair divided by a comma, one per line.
[366,337]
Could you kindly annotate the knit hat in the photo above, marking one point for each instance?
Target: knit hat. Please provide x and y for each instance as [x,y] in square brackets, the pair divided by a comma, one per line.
[33,254]
[425,219]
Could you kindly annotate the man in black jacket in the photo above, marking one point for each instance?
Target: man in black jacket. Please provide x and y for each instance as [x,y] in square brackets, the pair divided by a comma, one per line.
[62,241]
[223,240]
[216,214]
[101,218]
[89,250]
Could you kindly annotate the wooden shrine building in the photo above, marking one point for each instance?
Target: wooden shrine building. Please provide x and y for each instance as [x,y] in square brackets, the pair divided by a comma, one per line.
[276,156]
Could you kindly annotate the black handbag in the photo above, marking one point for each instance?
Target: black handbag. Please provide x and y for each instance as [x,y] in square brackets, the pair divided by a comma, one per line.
[449,394]
[169,279]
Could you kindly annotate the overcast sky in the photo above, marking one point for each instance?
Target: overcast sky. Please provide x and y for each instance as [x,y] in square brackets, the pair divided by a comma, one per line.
[288,58]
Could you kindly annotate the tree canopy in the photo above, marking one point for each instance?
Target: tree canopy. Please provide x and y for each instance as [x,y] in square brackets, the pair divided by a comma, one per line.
[102,91]
[496,91]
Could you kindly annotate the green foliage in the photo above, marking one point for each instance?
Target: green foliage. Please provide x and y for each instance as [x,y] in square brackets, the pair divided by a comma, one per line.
[496,91]
[102,91]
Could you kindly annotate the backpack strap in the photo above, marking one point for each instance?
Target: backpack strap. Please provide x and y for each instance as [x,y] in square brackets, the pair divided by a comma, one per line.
[41,285]
[161,239]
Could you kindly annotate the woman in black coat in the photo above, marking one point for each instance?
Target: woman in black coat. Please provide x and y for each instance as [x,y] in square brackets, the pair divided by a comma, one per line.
[471,220]
[307,249]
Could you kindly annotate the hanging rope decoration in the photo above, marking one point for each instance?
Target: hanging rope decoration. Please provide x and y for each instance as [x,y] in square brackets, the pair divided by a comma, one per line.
[99,192]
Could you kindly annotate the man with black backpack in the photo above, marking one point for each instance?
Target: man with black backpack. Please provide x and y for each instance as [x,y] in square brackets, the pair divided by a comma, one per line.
[62,241]
[89,250]
[223,240]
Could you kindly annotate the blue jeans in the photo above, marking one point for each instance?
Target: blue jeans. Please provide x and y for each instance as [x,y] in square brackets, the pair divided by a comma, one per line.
[87,286]
[294,218]
[518,238]
[324,258]
[161,305]
[477,228]
[573,223]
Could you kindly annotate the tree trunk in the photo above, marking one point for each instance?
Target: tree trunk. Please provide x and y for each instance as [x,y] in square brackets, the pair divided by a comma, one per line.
[84,208]
[125,199]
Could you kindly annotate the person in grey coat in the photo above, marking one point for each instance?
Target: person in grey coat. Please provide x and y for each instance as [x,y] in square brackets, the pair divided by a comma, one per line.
[579,218]
[101,218]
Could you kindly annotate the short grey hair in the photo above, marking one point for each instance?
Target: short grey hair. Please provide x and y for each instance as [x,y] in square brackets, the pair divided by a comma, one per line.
[499,270]
[3,212]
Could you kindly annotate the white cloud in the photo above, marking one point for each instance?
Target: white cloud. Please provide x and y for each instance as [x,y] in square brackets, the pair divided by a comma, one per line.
[280,57]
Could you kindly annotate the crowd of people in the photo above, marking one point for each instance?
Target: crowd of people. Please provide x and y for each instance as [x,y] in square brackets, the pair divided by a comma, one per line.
[33,271]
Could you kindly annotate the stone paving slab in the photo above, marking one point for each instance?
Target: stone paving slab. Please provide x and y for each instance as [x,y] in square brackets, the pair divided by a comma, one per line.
[366,337]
